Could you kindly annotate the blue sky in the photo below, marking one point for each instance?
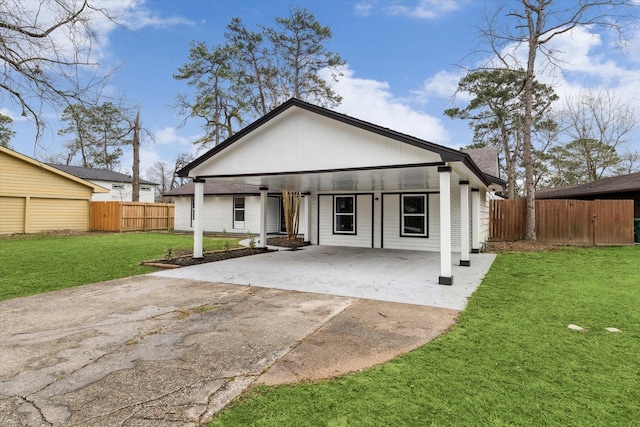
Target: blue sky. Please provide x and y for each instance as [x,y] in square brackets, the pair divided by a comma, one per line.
[403,63]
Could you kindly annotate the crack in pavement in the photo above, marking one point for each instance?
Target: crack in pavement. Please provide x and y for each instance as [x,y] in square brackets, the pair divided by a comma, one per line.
[37,408]
[180,356]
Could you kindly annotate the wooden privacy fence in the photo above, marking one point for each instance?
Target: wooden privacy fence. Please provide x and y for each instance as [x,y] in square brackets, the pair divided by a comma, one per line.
[566,222]
[131,216]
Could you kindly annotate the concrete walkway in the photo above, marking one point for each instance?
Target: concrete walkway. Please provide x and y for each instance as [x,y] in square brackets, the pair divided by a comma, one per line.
[380,274]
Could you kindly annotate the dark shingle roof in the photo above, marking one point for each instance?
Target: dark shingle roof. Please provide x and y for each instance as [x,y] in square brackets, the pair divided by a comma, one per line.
[97,174]
[614,184]
[214,188]
[486,158]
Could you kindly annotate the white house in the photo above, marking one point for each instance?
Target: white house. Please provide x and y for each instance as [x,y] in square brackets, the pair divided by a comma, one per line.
[234,208]
[364,185]
[120,186]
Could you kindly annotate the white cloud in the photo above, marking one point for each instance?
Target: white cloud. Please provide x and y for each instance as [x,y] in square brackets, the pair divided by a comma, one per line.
[425,9]
[135,16]
[582,60]
[363,9]
[13,115]
[372,101]
[170,135]
[443,85]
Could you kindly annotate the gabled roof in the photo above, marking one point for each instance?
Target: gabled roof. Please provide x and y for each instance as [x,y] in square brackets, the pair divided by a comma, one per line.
[27,159]
[98,174]
[215,189]
[486,158]
[615,184]
[447,154]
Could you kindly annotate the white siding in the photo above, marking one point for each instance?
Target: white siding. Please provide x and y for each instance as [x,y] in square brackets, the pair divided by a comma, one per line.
[485,196]
[386,222]
[313,206]
[273,214]
[123,194]
[218,214]
[364,228]
[317,140]
[377,220]
[455,217]
[391,238]
[182,220]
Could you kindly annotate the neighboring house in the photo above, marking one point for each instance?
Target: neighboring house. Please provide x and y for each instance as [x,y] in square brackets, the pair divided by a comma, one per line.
[120,186]
[229,207]
[624,187]
[36,197]
[364,185]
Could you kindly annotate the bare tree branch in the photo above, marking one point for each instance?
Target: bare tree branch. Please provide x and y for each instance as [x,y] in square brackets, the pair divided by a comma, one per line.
[46,51]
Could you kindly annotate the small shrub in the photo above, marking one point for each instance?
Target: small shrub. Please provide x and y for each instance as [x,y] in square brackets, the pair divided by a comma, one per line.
[252,240]
[226,245]
[168,252]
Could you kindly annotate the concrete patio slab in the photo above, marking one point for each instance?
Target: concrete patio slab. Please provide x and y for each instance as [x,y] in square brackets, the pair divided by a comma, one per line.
[380,274]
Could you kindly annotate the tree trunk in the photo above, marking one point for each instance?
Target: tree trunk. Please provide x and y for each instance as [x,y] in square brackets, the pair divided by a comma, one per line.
[291,205]
[135,196]
[529,186]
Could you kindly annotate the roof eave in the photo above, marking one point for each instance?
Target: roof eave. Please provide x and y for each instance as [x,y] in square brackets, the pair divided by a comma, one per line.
[96,188]
[447,154]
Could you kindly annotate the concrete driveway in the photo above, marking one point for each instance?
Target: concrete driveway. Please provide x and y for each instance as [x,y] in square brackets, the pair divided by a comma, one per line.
[173,351]
[381,274]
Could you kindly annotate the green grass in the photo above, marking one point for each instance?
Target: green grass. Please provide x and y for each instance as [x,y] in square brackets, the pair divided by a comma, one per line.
[509,361]
[34,264]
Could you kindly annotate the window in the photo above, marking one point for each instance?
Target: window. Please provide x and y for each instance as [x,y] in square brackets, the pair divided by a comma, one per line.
[238,212]
[145,188]
[117,186]
[344,214]
[413,215]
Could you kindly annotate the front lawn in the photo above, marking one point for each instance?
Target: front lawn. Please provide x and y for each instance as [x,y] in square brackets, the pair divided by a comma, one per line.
[35,264]
[509,361]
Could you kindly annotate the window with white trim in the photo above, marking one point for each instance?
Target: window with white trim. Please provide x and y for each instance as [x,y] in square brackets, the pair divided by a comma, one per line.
[344,209]
[413,216]
[117,186]
[145,188]
[238,212]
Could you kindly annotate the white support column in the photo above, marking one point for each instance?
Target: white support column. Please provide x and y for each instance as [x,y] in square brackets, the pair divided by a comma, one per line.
[263,217]
[198,223]
[465,225]
[306,206]
[446,277]
[475,215]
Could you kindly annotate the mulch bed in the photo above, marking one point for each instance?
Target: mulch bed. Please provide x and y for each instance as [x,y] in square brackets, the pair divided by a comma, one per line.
[283,242]
[185,258]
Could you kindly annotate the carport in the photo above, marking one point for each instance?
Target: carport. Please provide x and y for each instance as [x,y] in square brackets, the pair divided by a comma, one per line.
[364,186]
[377,274]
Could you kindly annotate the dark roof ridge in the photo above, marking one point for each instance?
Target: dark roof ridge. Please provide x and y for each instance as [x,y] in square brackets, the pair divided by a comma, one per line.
[610,184]
[448,154]
[97,174]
